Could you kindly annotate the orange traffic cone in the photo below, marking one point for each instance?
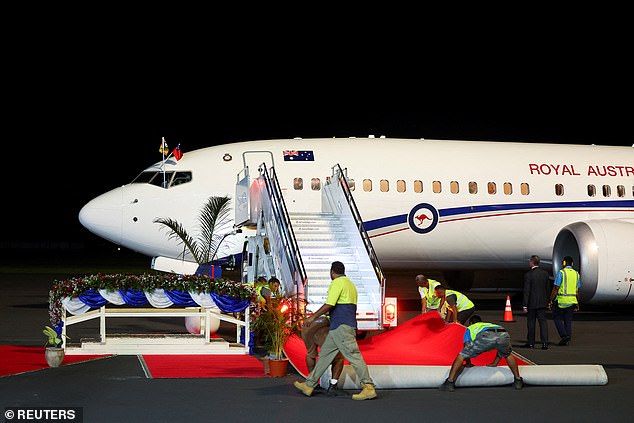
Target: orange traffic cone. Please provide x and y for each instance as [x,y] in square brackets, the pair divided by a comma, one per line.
[508,313]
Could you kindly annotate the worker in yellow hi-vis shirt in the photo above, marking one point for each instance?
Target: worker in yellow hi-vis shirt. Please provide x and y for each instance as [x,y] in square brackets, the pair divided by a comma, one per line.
[342,337]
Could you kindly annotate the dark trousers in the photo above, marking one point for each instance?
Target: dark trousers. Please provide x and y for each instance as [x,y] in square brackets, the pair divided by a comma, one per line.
[464,315]
[563,320]
[538,314]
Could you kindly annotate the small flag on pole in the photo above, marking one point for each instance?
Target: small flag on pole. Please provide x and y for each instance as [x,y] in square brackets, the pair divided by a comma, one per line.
[164,148]
[177,152]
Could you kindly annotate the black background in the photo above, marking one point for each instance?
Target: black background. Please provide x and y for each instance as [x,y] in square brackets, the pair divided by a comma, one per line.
[57,165]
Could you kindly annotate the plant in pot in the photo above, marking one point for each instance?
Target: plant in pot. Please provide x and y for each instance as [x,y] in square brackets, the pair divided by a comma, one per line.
[277,321]
[54,352]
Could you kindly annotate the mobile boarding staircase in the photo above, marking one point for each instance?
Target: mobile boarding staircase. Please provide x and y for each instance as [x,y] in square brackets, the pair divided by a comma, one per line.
[298,248]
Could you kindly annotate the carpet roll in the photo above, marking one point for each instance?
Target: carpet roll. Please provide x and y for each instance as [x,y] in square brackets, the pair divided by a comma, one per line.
[395,377]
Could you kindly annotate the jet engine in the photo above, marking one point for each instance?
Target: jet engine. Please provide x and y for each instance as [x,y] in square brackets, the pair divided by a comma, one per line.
[603,253]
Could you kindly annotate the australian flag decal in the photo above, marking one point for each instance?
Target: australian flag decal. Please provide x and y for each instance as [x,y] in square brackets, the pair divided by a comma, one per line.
[299,156]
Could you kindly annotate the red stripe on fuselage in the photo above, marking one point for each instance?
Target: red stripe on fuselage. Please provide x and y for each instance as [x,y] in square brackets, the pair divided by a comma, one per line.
[509,214]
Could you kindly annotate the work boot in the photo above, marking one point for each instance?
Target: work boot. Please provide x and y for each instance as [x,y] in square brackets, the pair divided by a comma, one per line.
[367,392]
[447,385]
[333,391]
[518,383]
[302,386]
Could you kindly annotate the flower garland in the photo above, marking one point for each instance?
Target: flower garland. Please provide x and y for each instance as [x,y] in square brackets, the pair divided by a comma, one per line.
[75,286]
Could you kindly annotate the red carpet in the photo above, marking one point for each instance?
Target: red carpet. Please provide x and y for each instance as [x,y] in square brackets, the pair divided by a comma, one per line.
[425,340]
[204,366]
[15,359]
[422,341]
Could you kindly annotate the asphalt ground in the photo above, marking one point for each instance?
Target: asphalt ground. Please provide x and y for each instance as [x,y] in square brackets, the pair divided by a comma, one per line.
[116,388]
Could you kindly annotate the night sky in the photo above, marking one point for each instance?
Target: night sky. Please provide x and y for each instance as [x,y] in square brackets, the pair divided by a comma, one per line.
[64,158]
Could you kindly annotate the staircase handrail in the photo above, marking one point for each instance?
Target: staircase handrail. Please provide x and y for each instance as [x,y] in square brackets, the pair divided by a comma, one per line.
[341,177]
[284,223]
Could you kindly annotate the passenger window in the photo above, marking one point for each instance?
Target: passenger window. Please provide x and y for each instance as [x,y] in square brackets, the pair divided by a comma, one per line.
[384,185]
[524,188]
[350,184]
[298,183]
[620,190]
[454,187]
[418,186]
[492,188]
[592,190]
[436,186]
[367,185]
[508,188]
[400,185]
[473,187]
[315,184]
[607,191]
[559,189]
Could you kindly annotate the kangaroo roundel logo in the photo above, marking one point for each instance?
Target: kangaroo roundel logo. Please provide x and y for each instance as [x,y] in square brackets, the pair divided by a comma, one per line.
[423,218]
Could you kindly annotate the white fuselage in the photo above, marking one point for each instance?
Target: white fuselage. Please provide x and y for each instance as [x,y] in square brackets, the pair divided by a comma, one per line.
[426,204]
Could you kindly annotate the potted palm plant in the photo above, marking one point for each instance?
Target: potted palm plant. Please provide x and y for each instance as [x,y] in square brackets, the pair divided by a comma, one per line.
[54,352]
[277,321]
[214,218]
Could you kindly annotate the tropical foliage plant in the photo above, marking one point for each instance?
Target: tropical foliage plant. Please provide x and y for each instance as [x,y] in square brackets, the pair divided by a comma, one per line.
[277,321]
[213,218]
[54,336]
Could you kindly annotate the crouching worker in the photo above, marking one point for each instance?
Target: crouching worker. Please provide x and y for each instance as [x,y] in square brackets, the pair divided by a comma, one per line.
[341,303]
[314,337]
[481,337]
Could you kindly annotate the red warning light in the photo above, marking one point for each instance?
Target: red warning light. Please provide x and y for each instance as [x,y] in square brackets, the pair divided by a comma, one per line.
[389,312]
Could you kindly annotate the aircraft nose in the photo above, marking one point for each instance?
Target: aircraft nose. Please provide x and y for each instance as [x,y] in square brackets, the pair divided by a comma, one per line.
[103,215]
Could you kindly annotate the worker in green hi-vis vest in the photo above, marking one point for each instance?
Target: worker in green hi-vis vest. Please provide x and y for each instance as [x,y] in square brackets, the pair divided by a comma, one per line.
[566,294]
[480,337]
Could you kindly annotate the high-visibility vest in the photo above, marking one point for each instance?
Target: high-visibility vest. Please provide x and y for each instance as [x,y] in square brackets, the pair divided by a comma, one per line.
[462,302]
[567,293]
[478,327]
[259,291]
[430,294]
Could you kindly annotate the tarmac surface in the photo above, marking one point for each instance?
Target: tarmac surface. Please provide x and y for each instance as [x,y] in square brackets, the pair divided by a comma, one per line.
[117,389]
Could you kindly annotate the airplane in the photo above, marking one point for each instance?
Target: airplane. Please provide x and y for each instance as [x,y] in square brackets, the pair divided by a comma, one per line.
[455,206]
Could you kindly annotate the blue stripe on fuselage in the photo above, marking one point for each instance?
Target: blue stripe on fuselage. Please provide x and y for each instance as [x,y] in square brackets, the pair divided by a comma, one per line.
[402,218]
[385,222]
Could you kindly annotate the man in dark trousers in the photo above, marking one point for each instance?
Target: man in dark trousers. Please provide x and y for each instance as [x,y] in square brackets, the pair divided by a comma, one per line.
[565,295]
[536,294]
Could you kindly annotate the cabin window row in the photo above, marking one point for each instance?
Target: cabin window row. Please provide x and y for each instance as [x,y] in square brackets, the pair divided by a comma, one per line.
[401,186]
[437,187]
[454,187]
[606,190]
[593,191]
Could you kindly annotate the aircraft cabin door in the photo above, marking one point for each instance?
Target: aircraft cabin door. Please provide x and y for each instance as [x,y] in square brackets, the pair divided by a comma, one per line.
[247,207]
[253,159]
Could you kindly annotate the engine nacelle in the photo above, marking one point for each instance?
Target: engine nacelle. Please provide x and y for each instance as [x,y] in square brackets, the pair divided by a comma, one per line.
[603,253]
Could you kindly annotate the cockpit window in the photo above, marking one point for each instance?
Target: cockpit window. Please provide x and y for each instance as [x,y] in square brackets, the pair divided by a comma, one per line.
[144,177]
[181,178]
[163,179]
